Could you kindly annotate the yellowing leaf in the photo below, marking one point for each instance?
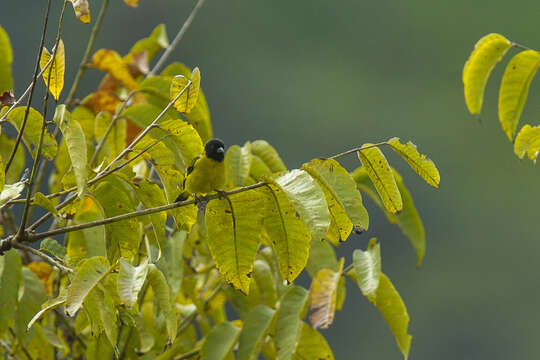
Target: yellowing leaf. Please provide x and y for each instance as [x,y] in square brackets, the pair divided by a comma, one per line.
[487,52]
[289,321]
[419,163]
[186,138]
[82,10]
[367,266]
[55,71]
[76,145]
[394,312]
[102,100]
[45,274]
[256,325]
[6,146]
[190,94]
[219,343]
[233,225]
[324,289]
[44,202]
[514,89]
[87,276]
[132,3]
[6,58]
[341,192]
[237,164]
[32,131]
[268,155]
[408,219]
[528,141]
[312,345]
[110,62]
[382,177]
[266,283]
[130,281]
[48,306]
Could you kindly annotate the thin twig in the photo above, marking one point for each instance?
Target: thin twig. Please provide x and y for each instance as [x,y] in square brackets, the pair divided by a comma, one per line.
[66,229]
[42,255]
[188,354]
[356,149]
[109,129]
[92,182]
[32,88]
[177,39]
[89,48]
[521,47]
[28,203]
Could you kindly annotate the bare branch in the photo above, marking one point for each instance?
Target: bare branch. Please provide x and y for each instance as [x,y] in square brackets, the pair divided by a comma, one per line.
[42,255]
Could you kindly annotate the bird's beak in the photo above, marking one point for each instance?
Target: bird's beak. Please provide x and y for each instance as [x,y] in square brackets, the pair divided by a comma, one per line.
[220,150]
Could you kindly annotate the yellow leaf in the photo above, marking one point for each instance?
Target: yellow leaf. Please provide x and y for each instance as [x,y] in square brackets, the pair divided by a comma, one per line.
[418,162]
[188,99]
[111,62]
[514,89]
[528,141]
[233,225]
[132,3]
[324,297]
[381,176]
[487,52]
[102,100]
[82,10]
[44,272]
[55,71]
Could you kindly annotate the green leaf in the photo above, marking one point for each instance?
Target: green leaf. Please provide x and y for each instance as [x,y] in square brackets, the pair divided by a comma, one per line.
[394,312]
[341,191]
[266,284]
[256,325]
[99,348]
[382,177]
[6,58]
[117,197]
[107,313]
[51,246]
[49,305]
[220,341]
[54,74]
[308,200]
[238,164]
[528,141]
[187,101]
[367,266]
[487,52]
[289,321]
[157,41]
[423,166]
[87,276]
[172,262]
[32,131]
[17,165]
[130,281]
[162,295]
[324,289]
[514,89]
[11,191]
[312,345]
[44,202]
[321,256]
[233,226]
[407,220]
[289,235]
[10,280]
[186,138]
[268,155]
[116,140]
[76,145]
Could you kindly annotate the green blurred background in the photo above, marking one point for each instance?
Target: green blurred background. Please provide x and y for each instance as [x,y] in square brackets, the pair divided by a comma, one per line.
[318,77]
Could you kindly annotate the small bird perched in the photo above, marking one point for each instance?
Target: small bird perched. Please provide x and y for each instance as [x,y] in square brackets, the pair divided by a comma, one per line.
[207,173]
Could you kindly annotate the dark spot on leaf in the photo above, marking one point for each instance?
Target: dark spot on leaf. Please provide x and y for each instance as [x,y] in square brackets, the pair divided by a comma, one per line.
[297,215]
[228,211]
[248,275]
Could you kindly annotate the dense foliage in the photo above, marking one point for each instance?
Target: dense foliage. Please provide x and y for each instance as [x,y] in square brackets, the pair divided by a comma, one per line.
[126,271]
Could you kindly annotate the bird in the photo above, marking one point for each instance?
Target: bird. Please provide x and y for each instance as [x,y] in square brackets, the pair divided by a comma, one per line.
[207,172]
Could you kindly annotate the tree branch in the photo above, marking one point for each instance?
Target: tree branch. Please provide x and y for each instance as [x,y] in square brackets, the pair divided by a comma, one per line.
[32,88]
[42,255]
[176,40]
[89,47]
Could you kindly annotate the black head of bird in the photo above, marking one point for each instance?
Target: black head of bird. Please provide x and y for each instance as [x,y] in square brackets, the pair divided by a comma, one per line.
[215,149]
